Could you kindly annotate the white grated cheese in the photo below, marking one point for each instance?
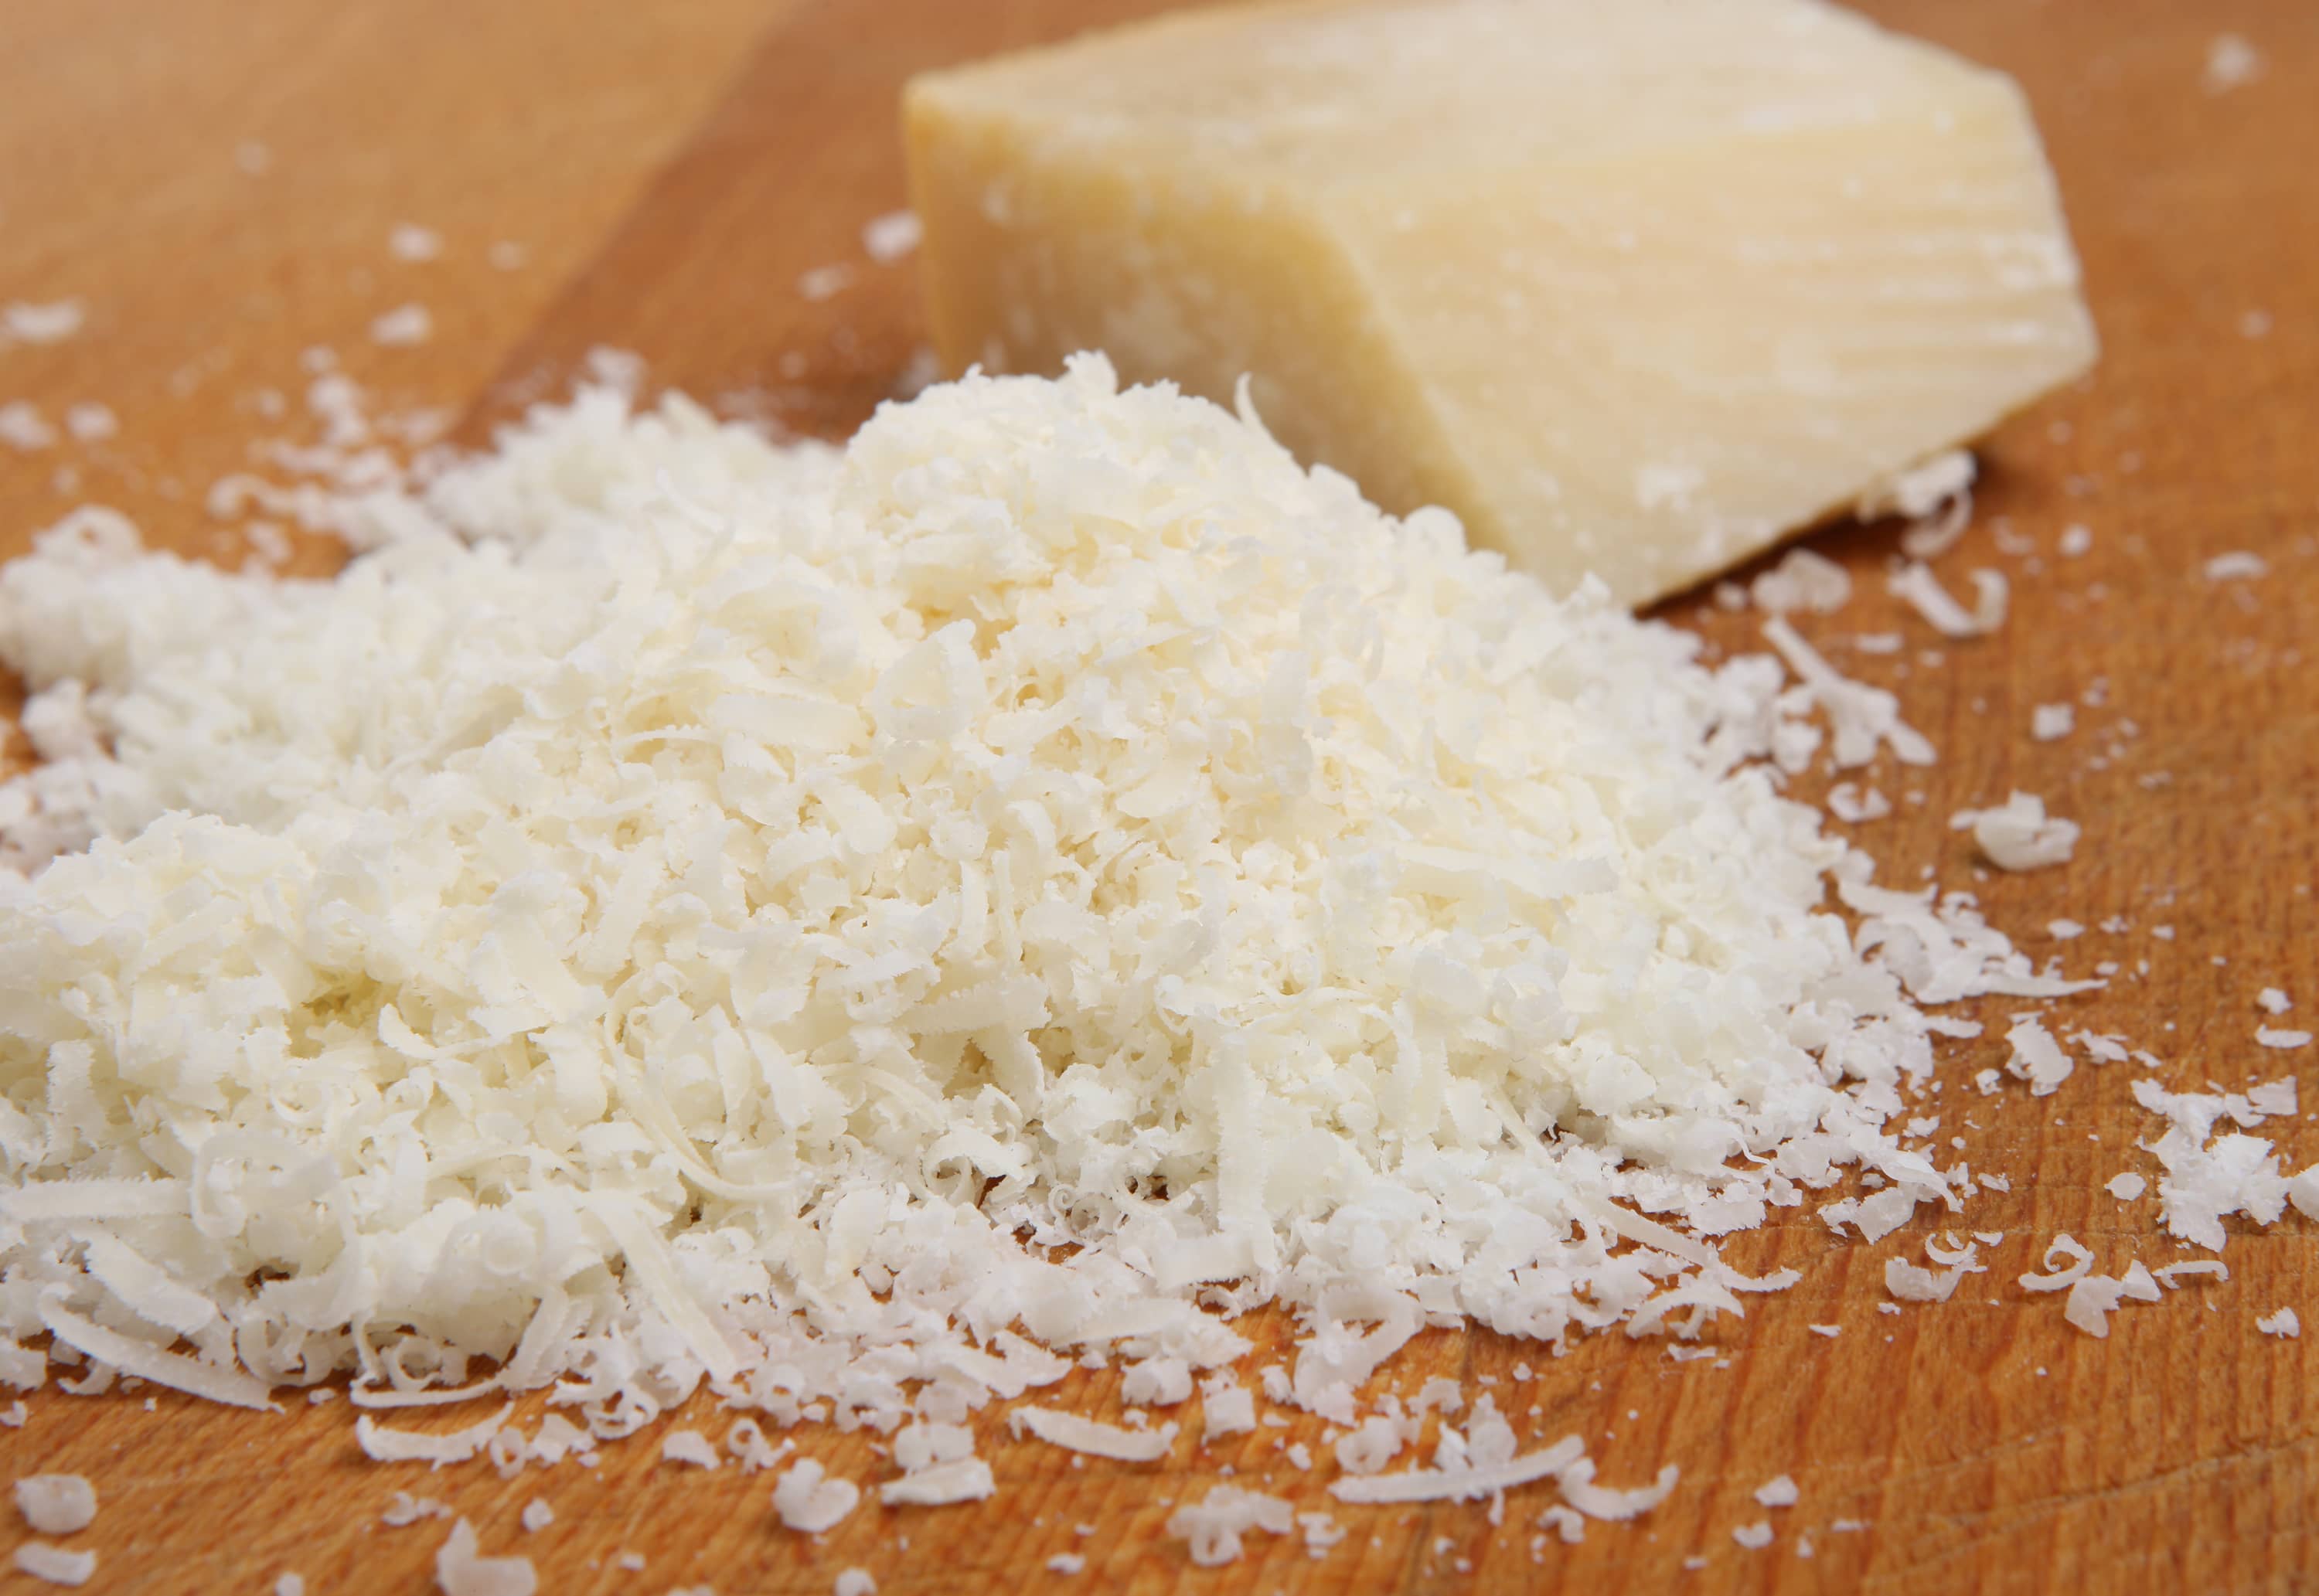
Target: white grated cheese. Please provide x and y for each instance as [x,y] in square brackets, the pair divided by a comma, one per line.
[24,322]
[2126,1187]
[402,1446]
[2037,1059]
[2018,836]
[1075,1434]
[1056,800]
[2283,1324]
[825,282]
[2231,62]
[1227,1408]
[1066,1563]
[2049,722]
[537,1515]
[2061,1277]
[889,237]
[1850,804]
[407,1509]
[22,427]
[1156,1383]
[1754,1537]
[55,1504]
[1778,1491]
[289,1584]
[89,422]
[2237,565]
[856,1581]
[2273,1001]
[1214,1525]
[1916,584]
[1802,580]
[404,326]
[55,1564]
[690,1445]
[808,1500]
[2265,1036]
[410,241]
[461,1570]
[1564,1521]
[2171,1275]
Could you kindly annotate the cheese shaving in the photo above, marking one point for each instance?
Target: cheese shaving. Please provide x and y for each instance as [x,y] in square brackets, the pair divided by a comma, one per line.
[1922,590]
[55,1564]
[1075,1434]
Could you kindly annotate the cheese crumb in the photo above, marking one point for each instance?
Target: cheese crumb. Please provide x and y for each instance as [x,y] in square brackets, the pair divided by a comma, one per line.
[2283,1324]
[1753,1536]
[887,239]
[1778,1491]
[2127,1187]
[2239,565]
[2018,836]
[410,241]
[55,1564]
[460,1569]
[404,326]
[2051,722]
[55,1504]
[2231,62]
[810,1501]
[23,322]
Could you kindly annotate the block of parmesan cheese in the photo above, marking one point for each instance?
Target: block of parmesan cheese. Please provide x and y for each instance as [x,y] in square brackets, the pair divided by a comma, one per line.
[1634,288]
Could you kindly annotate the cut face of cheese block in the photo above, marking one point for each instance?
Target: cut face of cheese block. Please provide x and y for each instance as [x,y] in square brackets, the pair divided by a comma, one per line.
[1634,288]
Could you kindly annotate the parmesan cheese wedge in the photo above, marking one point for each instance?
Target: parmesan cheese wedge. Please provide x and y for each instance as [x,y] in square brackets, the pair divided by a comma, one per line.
[1633,289]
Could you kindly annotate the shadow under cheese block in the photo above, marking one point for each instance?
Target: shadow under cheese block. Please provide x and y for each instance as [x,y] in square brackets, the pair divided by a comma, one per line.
[1634,288]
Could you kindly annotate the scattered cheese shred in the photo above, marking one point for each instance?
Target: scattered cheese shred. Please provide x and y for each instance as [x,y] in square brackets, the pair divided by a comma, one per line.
[55,1564]
[808,1500]
[55,1504]
[1075,1434]
[1215,1524]
[461,1570]
[2017,834]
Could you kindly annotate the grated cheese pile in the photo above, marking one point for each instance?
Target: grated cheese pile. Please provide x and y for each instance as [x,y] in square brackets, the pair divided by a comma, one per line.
[682,909]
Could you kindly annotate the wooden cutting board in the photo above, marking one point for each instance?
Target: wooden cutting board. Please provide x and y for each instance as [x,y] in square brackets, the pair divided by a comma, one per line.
[217,180]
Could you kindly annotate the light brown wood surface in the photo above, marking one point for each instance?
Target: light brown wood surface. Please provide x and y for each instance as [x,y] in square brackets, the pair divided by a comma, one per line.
[671,170]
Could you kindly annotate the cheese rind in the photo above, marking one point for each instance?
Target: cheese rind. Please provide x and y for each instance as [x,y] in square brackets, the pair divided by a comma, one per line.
[1633,289]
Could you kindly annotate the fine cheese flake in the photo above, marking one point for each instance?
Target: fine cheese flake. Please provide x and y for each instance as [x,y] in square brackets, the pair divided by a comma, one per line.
[1916,584]
[2283,1324]
[2017,834]
[690,1447]
[55,1504]
[808,1499]
[1778,1491]
[2076,1258]
[382,1444]
[1055,862]
[462,1570]
[1096,1439]
[1214,1525]
[55,1564]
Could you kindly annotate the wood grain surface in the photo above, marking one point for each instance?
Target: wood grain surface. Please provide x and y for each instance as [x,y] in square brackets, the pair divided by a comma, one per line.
[217,180]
